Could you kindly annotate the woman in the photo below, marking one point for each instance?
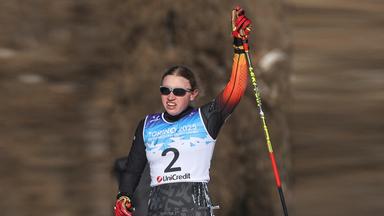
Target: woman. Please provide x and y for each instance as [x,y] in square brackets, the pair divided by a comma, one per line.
[178,144]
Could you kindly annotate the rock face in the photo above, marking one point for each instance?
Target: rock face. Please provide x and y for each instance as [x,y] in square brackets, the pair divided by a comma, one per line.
[77,76]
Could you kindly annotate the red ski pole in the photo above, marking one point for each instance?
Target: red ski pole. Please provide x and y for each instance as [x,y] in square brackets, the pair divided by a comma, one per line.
[266,133]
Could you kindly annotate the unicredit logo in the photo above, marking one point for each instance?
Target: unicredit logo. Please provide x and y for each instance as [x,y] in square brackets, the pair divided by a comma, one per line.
[173,177]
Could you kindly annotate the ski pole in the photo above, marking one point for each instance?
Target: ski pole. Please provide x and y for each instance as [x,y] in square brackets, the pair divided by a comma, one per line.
[266,133]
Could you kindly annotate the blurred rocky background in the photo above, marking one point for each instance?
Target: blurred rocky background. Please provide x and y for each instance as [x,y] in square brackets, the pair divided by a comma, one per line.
[77,76]
[336,119]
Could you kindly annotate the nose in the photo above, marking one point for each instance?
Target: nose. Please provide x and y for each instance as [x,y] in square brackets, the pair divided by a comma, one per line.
[171,96]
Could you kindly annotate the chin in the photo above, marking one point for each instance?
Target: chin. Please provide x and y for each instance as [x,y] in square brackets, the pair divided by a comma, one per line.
[173,112]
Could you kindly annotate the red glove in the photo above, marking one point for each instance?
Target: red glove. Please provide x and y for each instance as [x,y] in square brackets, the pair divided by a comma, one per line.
[241,25]
[123,207]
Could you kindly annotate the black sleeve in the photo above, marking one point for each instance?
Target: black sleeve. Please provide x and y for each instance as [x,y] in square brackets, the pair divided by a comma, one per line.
[135,164]
[213,117]
[218,110]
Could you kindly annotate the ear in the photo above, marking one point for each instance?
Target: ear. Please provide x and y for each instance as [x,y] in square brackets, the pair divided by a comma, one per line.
[194,94]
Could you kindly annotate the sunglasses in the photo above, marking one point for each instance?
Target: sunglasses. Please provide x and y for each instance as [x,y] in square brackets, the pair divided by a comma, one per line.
[176,91]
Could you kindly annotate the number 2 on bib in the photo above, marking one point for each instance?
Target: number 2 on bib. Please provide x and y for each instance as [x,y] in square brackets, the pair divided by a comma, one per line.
[175,157]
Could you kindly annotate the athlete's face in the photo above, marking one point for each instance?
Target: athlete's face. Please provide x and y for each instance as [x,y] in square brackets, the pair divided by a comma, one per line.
[173,104]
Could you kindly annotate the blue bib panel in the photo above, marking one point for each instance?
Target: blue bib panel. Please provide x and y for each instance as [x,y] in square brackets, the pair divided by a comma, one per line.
[178,151]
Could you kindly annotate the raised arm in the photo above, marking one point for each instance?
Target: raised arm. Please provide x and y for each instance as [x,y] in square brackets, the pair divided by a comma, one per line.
[230,96]
[223,105]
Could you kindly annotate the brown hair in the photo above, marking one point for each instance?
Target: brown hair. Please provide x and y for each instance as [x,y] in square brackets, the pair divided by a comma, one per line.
[183,72]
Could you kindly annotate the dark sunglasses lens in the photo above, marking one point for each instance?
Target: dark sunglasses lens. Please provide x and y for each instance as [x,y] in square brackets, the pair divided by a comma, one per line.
[179,92]
[165,90]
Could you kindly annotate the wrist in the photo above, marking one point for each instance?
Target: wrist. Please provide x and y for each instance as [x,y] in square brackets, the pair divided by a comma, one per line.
[238,50]
[238,45]
[237,42]
[122,194]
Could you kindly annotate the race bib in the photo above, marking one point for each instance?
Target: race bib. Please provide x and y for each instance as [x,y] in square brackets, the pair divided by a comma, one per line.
[178,151]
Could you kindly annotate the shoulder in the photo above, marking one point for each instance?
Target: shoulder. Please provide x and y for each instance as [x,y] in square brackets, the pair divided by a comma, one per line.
[209,108]
[151,118]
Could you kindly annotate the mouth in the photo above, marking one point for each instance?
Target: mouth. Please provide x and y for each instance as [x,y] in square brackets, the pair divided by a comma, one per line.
[171,105]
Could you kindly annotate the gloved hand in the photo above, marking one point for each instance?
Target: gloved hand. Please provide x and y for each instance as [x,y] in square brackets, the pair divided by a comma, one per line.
[123,207]
[241,25]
